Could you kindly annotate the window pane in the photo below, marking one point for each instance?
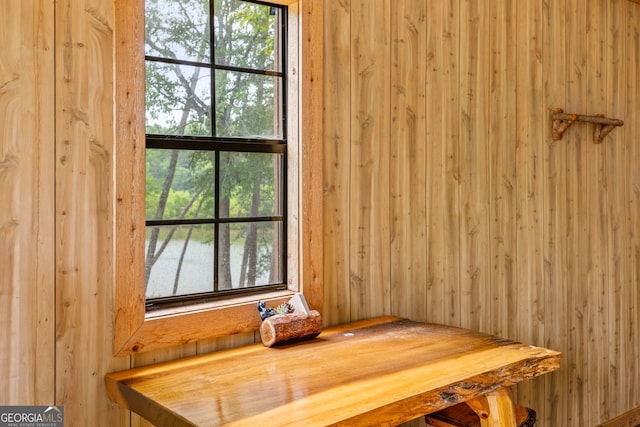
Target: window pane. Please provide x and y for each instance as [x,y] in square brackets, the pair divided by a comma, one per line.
[235,195]
[180,184]
[178,99]
[248,105]
[247,35]
[249,255]
[250,184]
[179,260]
[178,29]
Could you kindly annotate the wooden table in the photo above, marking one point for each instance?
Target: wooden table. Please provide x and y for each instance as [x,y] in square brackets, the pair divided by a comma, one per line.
[381,372]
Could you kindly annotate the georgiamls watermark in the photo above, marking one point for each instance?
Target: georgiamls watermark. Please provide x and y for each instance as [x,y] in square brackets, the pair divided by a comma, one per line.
[31,416]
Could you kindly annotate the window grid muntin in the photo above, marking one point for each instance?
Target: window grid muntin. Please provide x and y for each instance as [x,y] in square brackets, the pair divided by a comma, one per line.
[229,144]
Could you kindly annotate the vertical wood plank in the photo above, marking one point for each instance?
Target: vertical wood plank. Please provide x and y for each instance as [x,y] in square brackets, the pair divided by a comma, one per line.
[442,194]
[531,112]
[632,241]
[407,169]
[311,43]
[337,161]
[618,292]
[502,181]
[598,236]
[369,178]
[555,219]
[129,95]
[475,298]
[576,280]
[27,287]
[84,206]
[633,129]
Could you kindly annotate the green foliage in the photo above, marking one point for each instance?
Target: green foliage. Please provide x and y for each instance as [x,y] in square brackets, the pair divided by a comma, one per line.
[179,98]
[284,308]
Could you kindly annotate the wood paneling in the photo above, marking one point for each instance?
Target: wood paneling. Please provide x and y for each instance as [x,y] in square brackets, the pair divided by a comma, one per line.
[57,197]
[502,189]
[445,198]
[529,177]
[444,286]
[555,255]
[310,39]
[337,163]
[622,373]
[525,237]
[407,155]
[369,219]
[473,171]
[84,211]
[630,314]
[27,312]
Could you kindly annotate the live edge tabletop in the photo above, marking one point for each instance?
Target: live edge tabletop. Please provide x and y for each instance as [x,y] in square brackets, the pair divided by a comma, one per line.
[378,372]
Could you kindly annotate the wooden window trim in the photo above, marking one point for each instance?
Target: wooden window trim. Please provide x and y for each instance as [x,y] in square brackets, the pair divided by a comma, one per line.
[135,330]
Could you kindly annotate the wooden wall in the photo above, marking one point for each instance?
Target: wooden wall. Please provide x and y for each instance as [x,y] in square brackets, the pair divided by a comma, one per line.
[27,224]
[445,198]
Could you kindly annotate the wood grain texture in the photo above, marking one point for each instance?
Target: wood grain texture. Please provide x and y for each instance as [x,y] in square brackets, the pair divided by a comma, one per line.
[475,299]
[295,150]
[620,321]
[27,285]
[458,199]
[628,419]
[525,236]
[462,415]
[289,328]
[129,148]
[529,174]
[556,254]
[502,175]
[600,185]
[422,367]
[407,153]
[84,210]
[631,294]
[337,161]
[444,281]
[577,211]
[311,83]
[369,140]
[159,356]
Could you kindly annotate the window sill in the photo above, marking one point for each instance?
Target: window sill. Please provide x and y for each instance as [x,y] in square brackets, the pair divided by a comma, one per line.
[218,305]
[166,327]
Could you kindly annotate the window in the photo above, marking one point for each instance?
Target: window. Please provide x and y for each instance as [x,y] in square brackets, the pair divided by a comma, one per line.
[297,142]
[216,135]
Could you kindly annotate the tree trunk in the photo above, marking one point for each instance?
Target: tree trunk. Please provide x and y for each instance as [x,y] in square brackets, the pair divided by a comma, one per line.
[184,247]
[162,204]
[224,247]
[250,256]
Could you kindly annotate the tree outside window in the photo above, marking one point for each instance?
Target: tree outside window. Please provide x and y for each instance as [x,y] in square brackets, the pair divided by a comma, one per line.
[215,157]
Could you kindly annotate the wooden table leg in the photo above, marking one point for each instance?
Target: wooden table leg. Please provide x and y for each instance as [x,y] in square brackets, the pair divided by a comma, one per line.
[495,409]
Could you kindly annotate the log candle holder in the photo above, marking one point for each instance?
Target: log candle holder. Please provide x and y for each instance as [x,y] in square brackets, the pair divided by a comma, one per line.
[297,325]
[292,327]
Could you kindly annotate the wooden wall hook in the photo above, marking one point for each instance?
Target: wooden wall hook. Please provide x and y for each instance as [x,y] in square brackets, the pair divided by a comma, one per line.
[562,121]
